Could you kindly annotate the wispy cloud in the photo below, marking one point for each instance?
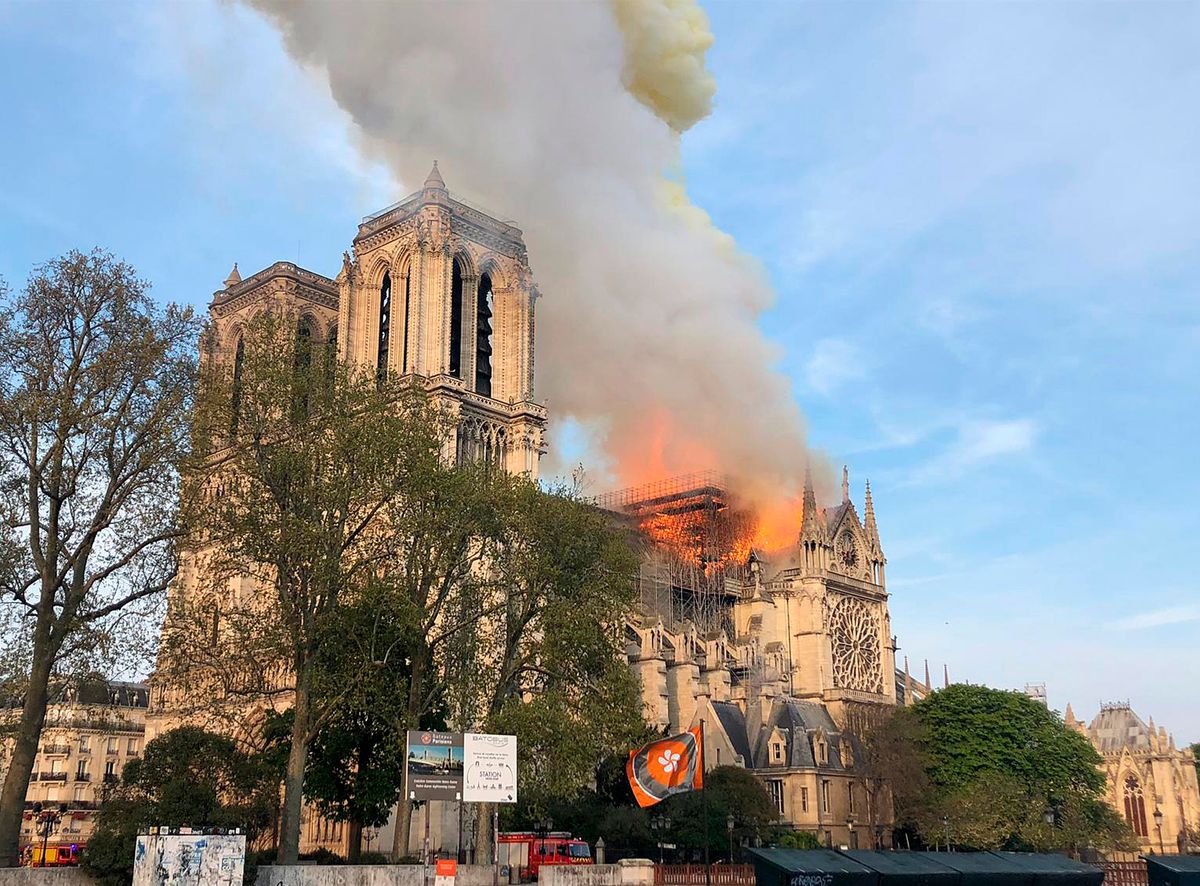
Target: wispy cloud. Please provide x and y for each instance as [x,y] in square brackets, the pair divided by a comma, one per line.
[1157,618]
[978,442]
[834,363]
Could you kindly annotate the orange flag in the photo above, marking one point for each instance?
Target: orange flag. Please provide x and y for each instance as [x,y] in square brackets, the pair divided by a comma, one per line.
[666,766]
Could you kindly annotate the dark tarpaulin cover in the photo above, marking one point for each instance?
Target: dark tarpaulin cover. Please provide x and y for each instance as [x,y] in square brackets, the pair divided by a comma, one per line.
[1173,870]
[809,867]
[1055,870]
[982,868]
[905,868]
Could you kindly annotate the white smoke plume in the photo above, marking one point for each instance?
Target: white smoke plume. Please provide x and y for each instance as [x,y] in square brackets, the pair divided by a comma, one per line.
[565,117]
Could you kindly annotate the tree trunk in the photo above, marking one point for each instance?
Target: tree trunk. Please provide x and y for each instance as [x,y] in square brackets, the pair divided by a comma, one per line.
[29,732]
[416,688]
[354,847]
[483,834]
[293,779]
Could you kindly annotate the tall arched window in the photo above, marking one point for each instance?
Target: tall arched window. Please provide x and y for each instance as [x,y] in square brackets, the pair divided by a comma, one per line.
[302,371]
[235,406]
[483,337]
[404,354]
[331,355]
[1135,807]
[385,326]
[456,312]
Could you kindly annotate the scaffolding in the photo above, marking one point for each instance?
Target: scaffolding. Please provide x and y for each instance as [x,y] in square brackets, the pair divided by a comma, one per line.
[698,548]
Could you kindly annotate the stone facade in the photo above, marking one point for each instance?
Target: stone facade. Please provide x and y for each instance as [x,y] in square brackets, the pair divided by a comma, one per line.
[1151,782]
[434,290]
[93,728]
[789,658]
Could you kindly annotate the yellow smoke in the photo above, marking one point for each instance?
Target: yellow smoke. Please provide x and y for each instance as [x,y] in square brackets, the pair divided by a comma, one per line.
[665,43]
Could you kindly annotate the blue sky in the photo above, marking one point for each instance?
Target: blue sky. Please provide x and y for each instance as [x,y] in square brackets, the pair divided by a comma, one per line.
[982,222]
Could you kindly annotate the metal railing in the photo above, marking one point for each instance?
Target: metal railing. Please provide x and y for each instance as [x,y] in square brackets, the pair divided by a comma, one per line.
[53,776]
[1126,873]
[695,875]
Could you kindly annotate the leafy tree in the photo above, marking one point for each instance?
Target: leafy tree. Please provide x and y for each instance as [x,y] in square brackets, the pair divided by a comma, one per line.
[894,767]
[998,765]
[96,383]
[357,760]
[548,665]
[798,840]
[186,778]
[732,791]
[310,465]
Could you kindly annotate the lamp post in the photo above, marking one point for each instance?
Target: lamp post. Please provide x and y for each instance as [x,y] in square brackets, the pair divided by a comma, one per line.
[1158,816]
[545,826]
[46,821]
[660,824]
[729,824]
[946,830]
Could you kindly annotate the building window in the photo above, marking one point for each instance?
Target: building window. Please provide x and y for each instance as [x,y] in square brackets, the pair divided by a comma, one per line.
[776,790]
[81,771]
[301,364]
[385,326]
[804,799]
[825,796]
[853,838]
[235,406]
[1135,807]
[52,795]
[483,337]
[850,797]
[456,316]
[84,744]
[132,747]
[776,752]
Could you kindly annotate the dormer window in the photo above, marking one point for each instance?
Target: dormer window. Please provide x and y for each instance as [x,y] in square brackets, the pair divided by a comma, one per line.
[776,752]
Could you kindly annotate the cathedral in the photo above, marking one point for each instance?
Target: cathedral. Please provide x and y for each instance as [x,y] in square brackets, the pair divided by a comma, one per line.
[786,656]
[1151,783]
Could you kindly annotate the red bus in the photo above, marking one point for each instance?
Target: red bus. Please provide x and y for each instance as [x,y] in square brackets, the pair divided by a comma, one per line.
[527,852]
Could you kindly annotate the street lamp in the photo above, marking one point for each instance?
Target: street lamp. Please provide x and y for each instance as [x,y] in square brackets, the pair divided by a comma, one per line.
[1158,827]
[729,823]
[946,830]
[46,821]
[660,824]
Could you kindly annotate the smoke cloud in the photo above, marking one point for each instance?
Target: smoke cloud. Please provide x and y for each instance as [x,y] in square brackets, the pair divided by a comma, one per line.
[565,117]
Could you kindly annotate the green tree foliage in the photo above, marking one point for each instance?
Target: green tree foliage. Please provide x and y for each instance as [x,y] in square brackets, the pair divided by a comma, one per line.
[798,840]
[549,667]
[96,382]
[311,465]
[356,762]
[732,791]
[186,778]
[1000,771]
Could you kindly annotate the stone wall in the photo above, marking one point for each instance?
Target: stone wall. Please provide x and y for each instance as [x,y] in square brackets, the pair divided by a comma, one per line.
[44,877]
[367,875]
[627,872]
[630,872]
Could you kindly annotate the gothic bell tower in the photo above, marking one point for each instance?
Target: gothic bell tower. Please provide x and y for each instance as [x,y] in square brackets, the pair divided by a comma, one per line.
[439,290]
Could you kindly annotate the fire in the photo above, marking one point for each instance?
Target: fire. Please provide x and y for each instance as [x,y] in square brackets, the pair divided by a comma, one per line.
[778,524]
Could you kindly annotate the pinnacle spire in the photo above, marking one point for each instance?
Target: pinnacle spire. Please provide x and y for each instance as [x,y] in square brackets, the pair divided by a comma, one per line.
[928,685]
[869,527]
[946,675]
[1069,716]
[234,277]
[811,528]
[434,180]
[845,484]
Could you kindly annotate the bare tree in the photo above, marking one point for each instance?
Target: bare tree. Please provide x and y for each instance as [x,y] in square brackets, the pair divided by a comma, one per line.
[96,383]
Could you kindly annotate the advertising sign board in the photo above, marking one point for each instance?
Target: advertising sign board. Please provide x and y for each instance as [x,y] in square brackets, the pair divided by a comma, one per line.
[490,773]
[185,859]
[473,768]
[435,765]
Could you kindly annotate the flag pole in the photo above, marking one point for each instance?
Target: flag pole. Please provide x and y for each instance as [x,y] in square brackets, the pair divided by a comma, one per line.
[704,792]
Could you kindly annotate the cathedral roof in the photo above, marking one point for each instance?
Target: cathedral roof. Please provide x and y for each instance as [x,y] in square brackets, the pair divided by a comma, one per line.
[1117,727]
[733,721]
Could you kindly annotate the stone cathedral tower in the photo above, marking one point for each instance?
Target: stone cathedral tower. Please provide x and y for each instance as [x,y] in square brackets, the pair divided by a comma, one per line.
[438,289]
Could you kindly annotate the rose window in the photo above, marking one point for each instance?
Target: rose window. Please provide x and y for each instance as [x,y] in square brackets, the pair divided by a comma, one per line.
[854,634]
